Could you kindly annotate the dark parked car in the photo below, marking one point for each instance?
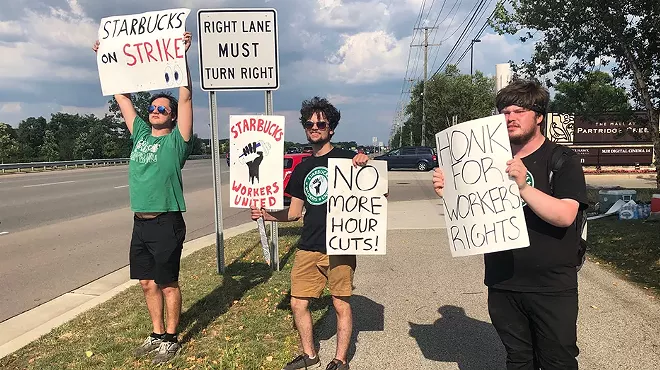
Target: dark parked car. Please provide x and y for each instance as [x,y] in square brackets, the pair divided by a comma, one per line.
[421,157]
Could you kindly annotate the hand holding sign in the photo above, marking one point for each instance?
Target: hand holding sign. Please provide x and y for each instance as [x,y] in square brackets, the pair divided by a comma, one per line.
[518,172]
[439,181]
[187,39]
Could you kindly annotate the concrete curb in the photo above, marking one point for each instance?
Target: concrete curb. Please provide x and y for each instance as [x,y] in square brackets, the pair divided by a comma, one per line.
[21,330]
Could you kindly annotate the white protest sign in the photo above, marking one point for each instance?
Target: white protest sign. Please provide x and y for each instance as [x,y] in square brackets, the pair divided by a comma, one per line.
[483,207]
[238,49]
[142,52]
[256,152]
[357,208]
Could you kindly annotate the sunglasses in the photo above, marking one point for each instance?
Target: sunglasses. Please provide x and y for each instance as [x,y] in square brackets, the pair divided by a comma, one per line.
[321,125]
[161,109]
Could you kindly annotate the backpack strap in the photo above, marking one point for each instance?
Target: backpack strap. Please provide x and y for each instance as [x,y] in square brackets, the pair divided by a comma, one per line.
[557,159]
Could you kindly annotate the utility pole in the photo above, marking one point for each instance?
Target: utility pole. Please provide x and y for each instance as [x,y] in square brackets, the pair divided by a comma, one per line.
[426,59]
[472,53]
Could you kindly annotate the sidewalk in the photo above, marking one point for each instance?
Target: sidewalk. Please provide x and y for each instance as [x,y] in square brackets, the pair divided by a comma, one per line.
[419,308]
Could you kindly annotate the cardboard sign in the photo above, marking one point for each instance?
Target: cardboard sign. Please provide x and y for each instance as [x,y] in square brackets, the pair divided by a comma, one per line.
[357,208]
[483,207]
[256,152]
[142,52]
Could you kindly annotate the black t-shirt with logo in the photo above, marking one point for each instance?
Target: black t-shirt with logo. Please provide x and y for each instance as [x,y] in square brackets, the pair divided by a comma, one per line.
[309,182]
[548,264]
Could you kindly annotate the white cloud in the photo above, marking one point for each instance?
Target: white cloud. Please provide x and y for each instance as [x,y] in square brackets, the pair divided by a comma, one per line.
[50,42]
[369,57]
[14,107]
[369,15]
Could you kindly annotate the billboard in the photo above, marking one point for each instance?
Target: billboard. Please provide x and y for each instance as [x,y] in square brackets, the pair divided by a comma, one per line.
[606,140]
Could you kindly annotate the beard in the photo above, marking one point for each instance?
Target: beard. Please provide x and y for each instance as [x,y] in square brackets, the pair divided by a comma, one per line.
[523,138]
[320,141]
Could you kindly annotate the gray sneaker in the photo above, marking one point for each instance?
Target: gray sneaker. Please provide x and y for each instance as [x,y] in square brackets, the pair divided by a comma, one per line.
[303,362]
[166,352]
[336,364]
[149,345]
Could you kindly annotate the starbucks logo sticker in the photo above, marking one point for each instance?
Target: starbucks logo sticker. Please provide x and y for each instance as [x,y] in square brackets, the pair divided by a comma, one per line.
[316,186]
[529,179]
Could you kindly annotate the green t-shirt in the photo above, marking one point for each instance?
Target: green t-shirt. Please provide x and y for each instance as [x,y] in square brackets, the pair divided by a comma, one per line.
[154,171]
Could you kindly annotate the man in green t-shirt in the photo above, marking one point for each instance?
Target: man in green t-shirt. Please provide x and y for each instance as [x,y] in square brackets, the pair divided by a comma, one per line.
[160,149]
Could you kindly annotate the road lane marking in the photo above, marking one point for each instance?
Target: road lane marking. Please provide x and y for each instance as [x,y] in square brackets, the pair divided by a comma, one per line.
[50,183]
[119,187]
[4,232]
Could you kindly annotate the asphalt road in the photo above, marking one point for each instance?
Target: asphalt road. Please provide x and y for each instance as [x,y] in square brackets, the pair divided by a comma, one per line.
[61,230]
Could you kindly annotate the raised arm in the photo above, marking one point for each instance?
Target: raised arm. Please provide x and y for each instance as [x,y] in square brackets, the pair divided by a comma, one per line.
[185,119]
[124,101]
[127,109]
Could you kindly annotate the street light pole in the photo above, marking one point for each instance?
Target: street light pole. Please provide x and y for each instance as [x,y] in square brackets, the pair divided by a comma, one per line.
[472,53]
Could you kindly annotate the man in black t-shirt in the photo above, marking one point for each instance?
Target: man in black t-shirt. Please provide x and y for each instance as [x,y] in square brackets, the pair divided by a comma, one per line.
[312,267]
[532,292]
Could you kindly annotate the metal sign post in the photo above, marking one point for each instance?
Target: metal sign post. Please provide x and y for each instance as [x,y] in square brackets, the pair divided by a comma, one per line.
[238,51]
[274,237]
[217,184]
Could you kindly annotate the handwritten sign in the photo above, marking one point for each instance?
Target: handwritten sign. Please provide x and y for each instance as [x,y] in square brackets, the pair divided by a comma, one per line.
[357,208]
[483,207]
[256,152]
[142,52]
[238,49]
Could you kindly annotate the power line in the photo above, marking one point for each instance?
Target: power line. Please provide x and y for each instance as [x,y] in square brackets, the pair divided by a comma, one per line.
[478,8]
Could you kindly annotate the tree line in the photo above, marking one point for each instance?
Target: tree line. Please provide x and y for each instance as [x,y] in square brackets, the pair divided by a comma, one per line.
[66,137]
[453,97]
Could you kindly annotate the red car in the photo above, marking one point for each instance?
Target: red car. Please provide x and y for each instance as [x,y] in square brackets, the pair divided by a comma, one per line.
[290,162]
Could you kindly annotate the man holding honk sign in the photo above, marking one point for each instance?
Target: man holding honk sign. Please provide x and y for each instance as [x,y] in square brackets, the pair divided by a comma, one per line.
[523,214]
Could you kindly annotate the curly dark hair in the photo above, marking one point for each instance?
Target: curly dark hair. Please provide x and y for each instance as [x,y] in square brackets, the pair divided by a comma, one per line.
[320,105]
[174,105]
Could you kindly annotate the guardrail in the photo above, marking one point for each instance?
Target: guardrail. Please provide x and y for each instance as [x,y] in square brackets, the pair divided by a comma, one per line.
[84,163]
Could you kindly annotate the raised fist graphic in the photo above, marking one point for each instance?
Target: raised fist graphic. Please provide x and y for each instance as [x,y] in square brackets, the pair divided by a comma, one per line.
[253,155]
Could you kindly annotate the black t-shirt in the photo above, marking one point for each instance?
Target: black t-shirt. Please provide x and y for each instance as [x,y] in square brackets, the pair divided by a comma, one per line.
[309,182]
[548,264]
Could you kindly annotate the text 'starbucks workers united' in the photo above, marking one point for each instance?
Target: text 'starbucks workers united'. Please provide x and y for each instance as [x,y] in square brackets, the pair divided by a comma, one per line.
[316,186]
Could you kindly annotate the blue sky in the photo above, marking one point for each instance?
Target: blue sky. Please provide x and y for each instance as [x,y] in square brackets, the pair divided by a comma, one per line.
[354,52]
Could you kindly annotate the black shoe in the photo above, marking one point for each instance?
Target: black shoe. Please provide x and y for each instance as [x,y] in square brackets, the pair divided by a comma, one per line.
[337,365]
[302,362]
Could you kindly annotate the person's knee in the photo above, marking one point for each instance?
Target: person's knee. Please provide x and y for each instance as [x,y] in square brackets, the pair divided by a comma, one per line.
[170,289]
[342,305]
[299,304]
[148,285]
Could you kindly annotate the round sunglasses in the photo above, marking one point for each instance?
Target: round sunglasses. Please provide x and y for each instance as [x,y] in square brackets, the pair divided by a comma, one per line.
[161,109]
[321,125]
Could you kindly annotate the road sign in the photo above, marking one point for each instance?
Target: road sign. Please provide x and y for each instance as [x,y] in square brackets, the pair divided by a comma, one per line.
[238,49]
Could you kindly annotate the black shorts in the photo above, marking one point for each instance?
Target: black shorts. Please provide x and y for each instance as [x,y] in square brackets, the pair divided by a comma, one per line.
[156,247]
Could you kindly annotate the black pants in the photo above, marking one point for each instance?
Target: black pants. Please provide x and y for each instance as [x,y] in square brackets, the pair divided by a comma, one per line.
[156,247]
[538,329]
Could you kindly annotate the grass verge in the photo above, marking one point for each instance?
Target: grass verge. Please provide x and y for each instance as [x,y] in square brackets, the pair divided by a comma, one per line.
[630,247]
[240,320]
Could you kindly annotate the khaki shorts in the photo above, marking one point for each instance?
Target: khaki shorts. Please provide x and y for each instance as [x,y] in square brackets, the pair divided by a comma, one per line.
[312,270]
